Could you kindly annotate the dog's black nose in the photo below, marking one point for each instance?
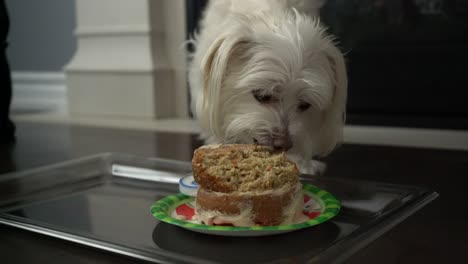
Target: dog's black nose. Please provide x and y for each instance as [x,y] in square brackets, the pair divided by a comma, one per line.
[282,143]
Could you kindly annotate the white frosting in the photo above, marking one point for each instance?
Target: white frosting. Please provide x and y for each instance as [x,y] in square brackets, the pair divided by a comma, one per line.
[292,214]
[217,218]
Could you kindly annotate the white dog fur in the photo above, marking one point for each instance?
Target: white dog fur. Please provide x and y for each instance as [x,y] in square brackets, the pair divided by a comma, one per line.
[265,71]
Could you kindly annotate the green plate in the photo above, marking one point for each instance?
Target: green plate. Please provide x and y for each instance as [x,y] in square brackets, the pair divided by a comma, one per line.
[319,206]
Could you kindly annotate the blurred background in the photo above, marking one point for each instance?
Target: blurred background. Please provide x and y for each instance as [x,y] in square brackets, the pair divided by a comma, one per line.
[122,63]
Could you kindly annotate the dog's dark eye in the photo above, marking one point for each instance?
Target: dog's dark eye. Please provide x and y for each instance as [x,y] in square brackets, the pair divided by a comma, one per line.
[262,97]
[303,106]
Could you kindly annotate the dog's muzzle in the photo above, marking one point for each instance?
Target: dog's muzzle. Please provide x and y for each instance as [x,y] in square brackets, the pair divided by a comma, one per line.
[281,143]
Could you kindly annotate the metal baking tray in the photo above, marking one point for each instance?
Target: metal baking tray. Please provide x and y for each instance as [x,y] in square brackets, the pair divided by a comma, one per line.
[103,201]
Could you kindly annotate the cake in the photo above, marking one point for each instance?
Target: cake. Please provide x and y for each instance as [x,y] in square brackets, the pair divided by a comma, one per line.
[246,185]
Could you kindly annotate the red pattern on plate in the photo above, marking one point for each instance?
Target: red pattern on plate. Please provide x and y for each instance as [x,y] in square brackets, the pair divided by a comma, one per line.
[186,211]
[311,215]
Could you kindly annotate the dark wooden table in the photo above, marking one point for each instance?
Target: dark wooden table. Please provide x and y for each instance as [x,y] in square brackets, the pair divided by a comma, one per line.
[436,234]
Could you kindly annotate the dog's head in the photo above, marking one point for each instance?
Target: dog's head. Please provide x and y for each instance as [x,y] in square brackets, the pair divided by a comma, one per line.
[274,79]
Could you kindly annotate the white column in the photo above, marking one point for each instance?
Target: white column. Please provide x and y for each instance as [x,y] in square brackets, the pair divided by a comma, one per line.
[128,63]
[175,37]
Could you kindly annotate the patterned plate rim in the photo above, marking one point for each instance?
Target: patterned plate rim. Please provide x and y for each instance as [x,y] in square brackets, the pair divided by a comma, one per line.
[162,208]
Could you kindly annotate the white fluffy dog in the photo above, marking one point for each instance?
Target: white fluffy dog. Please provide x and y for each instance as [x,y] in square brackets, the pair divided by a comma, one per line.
[266,72]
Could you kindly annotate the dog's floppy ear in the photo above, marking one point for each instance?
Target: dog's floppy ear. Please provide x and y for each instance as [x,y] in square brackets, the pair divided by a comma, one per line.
[214,69]
[331,133]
